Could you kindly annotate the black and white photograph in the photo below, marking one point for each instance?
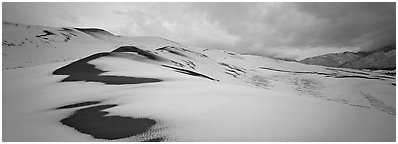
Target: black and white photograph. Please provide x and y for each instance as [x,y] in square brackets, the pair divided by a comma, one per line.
[199,71]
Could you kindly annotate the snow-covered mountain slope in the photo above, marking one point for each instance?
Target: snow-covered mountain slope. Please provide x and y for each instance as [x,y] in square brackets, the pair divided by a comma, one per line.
[377,60]
[332,60]
[29,45]
[380,59]
[173,93]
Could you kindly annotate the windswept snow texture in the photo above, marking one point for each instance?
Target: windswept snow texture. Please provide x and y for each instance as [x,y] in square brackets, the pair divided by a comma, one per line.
[150,89]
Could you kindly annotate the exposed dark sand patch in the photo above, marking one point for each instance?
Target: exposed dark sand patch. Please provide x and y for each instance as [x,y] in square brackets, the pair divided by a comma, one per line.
[347,76]
[298,72]
[177,63]
[232,71]
[46,33]
[188,72]
[362,73]
[235,76]
[235,68]
[177,53]
[170,50]
[93,121]
[81,70]
[154,140]
[141,52]
[382,76]
[354,72]
[87,103]
[189,63]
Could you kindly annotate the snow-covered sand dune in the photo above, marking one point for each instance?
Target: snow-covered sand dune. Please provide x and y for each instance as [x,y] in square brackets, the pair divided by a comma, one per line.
[152,89]
[29,45]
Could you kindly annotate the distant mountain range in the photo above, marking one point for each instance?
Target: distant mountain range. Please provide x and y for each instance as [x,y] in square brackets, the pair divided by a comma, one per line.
[383,58]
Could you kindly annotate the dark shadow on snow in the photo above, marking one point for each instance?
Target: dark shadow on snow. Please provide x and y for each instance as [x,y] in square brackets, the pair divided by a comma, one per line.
[87,103]
[93,121]
[188,72]
[46,33]
[298,72]
[354,72]
[357,76]
[171,50]
[154,140]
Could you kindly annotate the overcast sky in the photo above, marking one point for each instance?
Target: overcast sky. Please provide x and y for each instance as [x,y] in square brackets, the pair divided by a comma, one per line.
[290,30]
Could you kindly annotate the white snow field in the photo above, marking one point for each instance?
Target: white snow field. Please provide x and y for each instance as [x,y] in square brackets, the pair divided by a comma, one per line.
[102,87]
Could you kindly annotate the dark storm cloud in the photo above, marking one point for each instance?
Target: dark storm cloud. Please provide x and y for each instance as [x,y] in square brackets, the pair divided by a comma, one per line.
[275,27]
[370,25]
